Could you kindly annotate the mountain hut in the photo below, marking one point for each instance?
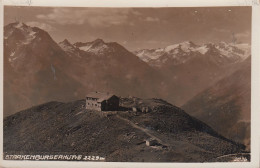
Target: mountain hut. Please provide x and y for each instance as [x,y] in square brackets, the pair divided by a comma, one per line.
[102,101]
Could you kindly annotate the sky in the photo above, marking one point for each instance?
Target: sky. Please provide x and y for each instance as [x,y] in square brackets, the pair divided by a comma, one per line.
[138,28]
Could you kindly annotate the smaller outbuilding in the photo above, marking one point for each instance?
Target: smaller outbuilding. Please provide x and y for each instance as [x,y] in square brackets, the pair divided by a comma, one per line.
[151,142]
[145,109]
[134,109]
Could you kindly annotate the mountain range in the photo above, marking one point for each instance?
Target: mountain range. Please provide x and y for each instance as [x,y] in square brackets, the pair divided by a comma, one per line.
[191,68]
[37,70]
[50,71]
[220,54]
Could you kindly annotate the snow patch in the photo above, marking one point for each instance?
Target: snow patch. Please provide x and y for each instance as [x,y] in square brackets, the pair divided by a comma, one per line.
[85,48]
[66,48]
[30,37]
[147,55]
[19,25]
[186,46]
[203,49]
[96,49]
[171,47]
[12,59]
[7,35]
[12,54]
[246,48]
[234,50]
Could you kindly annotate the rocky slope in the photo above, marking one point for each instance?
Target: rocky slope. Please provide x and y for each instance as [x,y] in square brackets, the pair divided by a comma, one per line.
[225,106]
[34,69]
[67,128]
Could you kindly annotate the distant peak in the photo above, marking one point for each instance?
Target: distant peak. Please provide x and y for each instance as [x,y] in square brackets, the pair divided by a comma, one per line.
[98,41]
[65,41]
[190,43]
[222,42]
[210,45]
[17,25]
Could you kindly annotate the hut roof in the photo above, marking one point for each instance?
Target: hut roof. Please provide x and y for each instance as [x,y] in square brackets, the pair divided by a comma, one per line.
[101,96]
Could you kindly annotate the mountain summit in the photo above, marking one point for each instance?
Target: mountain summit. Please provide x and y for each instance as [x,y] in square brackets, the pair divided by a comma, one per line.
[117,135]
[70,49]
[35,68]
[95,47]
[29,47]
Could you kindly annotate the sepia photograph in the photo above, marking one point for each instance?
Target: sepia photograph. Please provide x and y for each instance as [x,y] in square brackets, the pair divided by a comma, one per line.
[111,84]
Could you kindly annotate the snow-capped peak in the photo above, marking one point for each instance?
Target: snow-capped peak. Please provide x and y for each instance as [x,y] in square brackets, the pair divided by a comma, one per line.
[19,33]
[70,49]
[203,49]
[230,49]
[95,46]
[182,52]
[186,46]
[245,47]
[66,45]
[19,25]
[98,41]
[20,30]
[146,55]
[20,38]
[171,47]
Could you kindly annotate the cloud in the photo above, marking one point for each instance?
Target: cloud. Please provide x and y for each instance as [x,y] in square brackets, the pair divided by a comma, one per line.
[43,26]
[153,41]
[245,34]
[93,16]
[238,37]
[152,19]
[221,30]
[243,37]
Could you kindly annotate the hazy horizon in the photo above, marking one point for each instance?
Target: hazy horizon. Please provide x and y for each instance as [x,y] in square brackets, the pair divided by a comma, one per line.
[138,28]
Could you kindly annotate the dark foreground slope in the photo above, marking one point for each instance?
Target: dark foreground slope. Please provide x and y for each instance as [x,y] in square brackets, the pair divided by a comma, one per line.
[67,128]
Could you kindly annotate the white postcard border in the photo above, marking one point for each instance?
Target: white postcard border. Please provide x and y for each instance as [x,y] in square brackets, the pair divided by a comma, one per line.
[255,90]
